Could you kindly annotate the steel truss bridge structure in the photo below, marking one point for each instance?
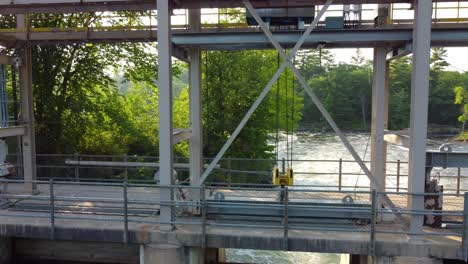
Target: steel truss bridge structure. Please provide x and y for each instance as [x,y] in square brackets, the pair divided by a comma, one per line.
[389,38]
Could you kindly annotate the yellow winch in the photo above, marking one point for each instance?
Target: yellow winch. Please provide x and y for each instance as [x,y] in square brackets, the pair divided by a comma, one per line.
[285,179]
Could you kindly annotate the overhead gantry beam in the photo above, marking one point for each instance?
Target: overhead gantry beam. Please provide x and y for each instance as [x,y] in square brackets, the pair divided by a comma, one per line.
[247,39]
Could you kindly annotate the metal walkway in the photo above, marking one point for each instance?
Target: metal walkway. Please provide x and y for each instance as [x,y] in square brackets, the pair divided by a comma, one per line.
[125,212]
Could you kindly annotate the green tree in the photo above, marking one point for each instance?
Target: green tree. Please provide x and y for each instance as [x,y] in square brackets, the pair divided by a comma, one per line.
[232,81]
[77,100]
[400,93]
[461,98]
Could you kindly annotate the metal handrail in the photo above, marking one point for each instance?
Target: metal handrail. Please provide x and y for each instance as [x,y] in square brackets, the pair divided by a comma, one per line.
[395,172]
[128,205]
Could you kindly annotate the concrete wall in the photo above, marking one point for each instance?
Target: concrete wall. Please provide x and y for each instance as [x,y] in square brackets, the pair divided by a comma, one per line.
[65,250]
[6,250]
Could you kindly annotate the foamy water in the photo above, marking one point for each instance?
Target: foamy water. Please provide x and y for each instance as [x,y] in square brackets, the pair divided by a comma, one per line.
[329,147]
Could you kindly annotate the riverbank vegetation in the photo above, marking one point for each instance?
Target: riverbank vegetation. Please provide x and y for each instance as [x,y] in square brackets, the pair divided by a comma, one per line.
[89,100]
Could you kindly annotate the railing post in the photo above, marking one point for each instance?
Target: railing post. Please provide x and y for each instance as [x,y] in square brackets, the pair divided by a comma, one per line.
[229,171]
[285,221]
[77,167]
[126,167]
[340,174]
[465,227]
[458,180]
[203,212]
[52,209]
[398,176]
[373,222]
[125,209]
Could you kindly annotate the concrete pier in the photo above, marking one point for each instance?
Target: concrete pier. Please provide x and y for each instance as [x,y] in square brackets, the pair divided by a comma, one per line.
[162,254]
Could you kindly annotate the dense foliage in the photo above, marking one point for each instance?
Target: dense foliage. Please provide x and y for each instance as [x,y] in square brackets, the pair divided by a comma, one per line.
[345,90]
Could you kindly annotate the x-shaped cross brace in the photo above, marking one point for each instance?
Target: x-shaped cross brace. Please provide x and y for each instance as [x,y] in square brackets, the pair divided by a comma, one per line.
[375,182]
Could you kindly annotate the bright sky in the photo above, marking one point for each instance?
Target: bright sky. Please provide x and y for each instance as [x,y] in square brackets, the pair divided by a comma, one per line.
[457,57]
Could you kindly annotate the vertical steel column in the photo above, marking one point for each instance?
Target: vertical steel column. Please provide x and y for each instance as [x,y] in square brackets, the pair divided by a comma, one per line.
[21,22]
[379,117]
[419,109]
[196,142]
[27,117]
[165,113]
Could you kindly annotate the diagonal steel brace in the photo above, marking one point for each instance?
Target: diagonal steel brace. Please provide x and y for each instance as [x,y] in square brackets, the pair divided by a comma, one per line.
[263,94]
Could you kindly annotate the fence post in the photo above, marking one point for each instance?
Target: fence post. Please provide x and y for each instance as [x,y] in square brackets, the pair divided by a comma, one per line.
[465,227]
[340,174]
[373,222]
[52,209]
[77,167]
[458,180]
[125,209]
[398,176]
[285,221]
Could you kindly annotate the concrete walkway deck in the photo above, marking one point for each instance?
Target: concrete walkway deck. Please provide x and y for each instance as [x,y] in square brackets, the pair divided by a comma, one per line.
[103,222]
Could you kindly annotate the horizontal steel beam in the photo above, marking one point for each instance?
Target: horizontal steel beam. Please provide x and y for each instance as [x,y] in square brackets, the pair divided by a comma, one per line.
[247,39]
[7,60]
[97,163]
[447,159]
[12,131]
[396,53]
[328,209]
[181,134]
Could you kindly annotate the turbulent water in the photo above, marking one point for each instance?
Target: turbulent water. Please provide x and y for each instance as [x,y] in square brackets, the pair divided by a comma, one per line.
[329,147]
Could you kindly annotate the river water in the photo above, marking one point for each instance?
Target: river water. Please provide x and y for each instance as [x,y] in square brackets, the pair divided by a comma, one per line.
[329,147]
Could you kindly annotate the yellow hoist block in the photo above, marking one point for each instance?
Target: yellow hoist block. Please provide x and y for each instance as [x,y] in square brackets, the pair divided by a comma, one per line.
[283,179]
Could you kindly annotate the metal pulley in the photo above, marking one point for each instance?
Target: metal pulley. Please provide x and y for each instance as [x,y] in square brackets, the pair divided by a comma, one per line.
[283,179]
